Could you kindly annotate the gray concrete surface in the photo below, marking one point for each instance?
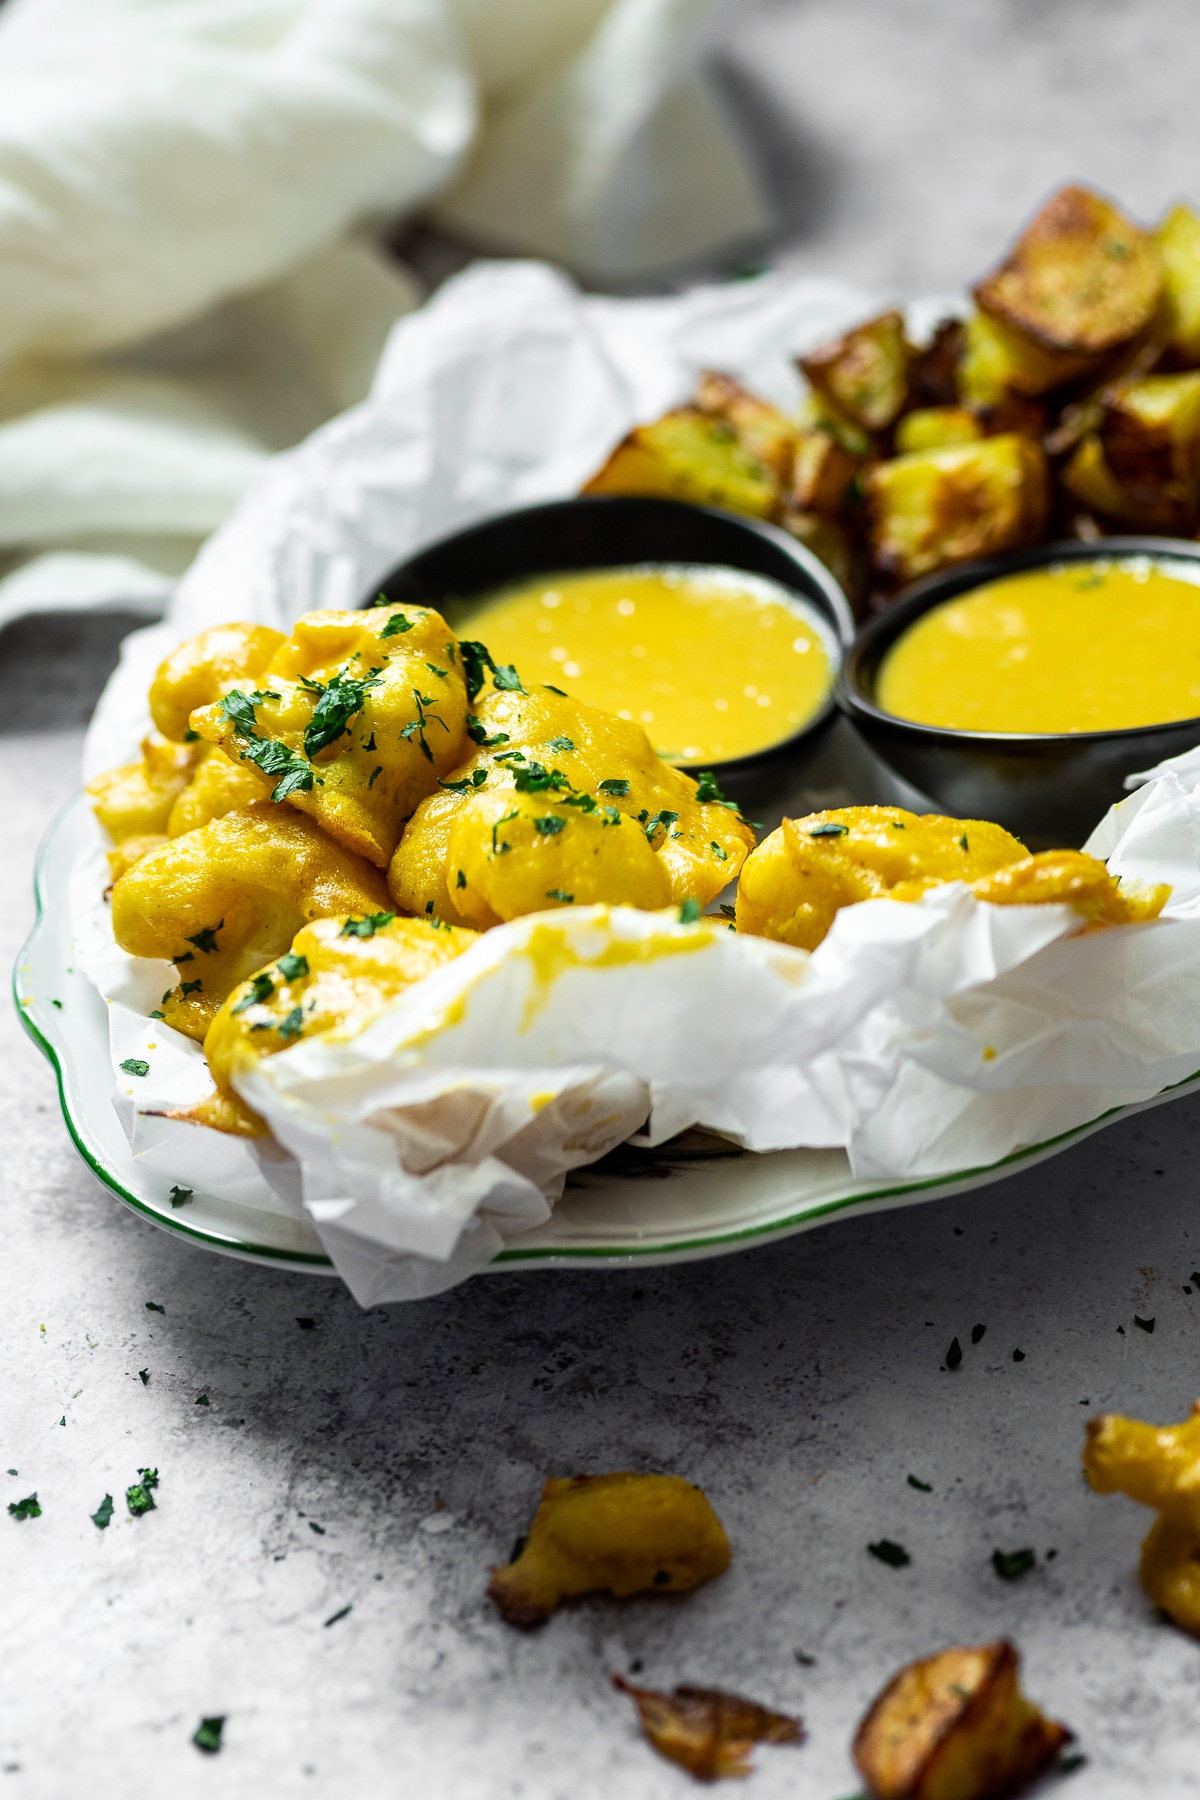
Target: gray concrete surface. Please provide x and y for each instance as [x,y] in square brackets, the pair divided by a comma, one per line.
[799,1384]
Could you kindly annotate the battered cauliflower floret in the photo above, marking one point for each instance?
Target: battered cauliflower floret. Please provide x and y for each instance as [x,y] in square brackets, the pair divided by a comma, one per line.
[800,877]
[354,718]
[199,671]
[337,974]
[135,801]
[219,786]
[1158,1465]
[562,805]
[222,901]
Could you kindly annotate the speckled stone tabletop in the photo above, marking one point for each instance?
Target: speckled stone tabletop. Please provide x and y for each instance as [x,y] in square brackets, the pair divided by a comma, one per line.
[381,1461]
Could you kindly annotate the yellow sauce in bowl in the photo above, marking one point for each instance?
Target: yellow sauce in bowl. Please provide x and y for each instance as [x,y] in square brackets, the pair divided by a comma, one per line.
[1079,646]
[715,663]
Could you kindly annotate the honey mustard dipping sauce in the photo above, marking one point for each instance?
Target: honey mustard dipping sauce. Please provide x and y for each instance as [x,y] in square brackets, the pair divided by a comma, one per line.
[1079,646]
[713,662]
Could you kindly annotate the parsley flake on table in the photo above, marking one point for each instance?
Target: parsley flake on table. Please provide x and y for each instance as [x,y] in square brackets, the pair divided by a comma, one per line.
[1010,1565]
[368,926]
[319,1529]
[307,1324]
[292,967]
[830,828]
[894,1555]
[977,1333]
[103,1513]
[396,624]
[207,1735]
[618,789]
[27,1508]
[153,1306]
[138,1496]
[133,1065]
[922,1487]
[689,911]
[144,1377]
[340,1614]
[1143,1324]
[206,940]
[203,1400]
[181,1196]
[954,1354]
[1018,1356]
[550,825]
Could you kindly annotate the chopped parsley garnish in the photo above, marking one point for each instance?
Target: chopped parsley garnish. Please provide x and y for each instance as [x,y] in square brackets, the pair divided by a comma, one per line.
[896,824]
[261,989]
[557,894]
[894,1555]
[153,1306]
[292,967]
[417,727]
[340,1614]
[138,1497]
[292,1026]
[954,1354]
[366,927]
[922,1487]
[206,940]
[189,987]
[133,1065]
[267,754]
[207,1735]
[158,1015]
[434,670]
[190,736]
[977,1333]
[618,789]
[468,784]
[611,816]
[375,773]
[584,802]
[27,1508]
[395,625]
[1143,1324]
[341,698]
[1010,1565]
[707,790]
[962,842]
[499,850]
[476,658]
[505,676]
[562,744]
[830,828]
[550,825]
[718,853]
[1018,1356]
[102,1516]
[730,912]
[664,818]
[462,880]
[689,912]
[181,1196]
[536,779]
[477,732]
[319,1529]
[203,1400]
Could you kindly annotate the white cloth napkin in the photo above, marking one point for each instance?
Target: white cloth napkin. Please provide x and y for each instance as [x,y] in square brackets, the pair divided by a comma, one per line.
[189,192]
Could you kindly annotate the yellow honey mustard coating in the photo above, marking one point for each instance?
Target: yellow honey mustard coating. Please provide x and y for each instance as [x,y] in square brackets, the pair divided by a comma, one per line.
[1159,1466]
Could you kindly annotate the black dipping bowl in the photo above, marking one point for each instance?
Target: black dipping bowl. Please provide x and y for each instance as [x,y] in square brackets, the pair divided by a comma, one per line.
[1049,789]
[597,532]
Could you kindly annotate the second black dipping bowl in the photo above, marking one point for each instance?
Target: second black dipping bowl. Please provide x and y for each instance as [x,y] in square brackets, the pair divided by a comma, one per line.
[1050,789]
[597,532]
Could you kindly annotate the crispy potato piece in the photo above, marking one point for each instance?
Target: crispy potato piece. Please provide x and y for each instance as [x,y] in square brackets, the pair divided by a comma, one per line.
[832,542]
[1081,278]
[823,472]
[361,713]
[864,374]
[956,1726]
[561,805]
[933,427]
[198,672]
[618,1534]
[222,901]
[933,371]
[761,429]
[709,1733]
[938,507]
[1151,440]
[1177,241]
[686,455]
[801,876]
[1158,1465]
[135,801]
[337,974]
[997,363]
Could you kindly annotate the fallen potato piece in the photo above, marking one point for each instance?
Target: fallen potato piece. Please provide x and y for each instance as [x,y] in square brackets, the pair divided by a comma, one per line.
[135,801]
[798,879]
[937,507]
[956,1726]
[863,373]
[222,901]
[618,1534]
[1081,277]
[1177,241]
[688,455]
[709,1733]
[1159,1466]
[198,671]
[338,973]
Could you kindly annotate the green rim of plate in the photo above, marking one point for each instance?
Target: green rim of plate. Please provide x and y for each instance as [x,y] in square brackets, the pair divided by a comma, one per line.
[741,1236]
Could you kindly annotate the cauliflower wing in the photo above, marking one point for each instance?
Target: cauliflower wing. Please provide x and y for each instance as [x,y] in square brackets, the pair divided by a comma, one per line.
[621,1534]
[219,786]
[562,805]
[801,876]
[135,801]
[357,715]
[1159,1466]
[337,973]
[222,901]
[198,672]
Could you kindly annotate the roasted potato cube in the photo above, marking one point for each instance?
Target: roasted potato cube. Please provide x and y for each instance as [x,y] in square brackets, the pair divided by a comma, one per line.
[1151,439]
[1088,477]
[1081,278]
[135,801]
[762,430]
[933,371]
[223,901]
[618,1534]
[933,427]
[198,671]
[832,542]
[1177,241]
[864,374]
[997,362]
[709,1733]
[823,473]
[938,507]
[1158,1465]
[956,1726]
[686,455]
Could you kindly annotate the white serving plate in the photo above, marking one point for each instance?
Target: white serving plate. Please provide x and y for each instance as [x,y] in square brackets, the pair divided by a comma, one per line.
[659,1208]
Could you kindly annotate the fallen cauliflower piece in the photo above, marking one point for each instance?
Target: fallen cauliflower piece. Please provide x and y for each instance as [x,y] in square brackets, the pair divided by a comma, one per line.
[198,672]
[222,901]
[621,1534]
[1159,1466]
[710,1733]
[800,877]
[354,718]
[337,974]
[956,1726]
[563,805]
